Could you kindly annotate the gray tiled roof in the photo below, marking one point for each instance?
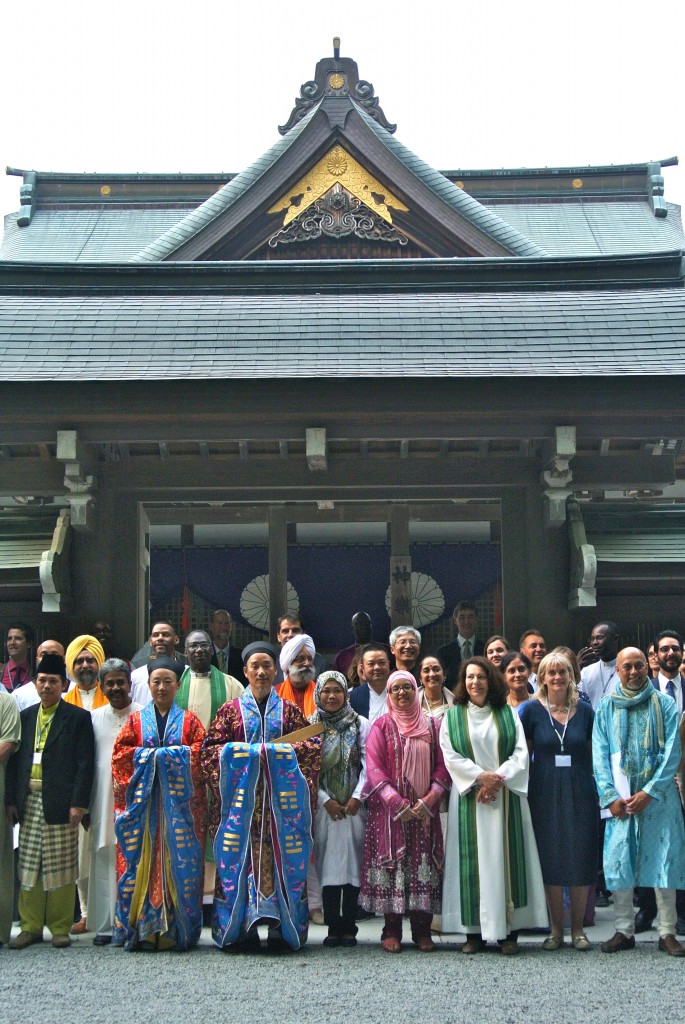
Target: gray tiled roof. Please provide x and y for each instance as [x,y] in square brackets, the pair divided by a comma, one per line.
[220,201]
[595,228]
[95,235]
[469,334]
[485,220]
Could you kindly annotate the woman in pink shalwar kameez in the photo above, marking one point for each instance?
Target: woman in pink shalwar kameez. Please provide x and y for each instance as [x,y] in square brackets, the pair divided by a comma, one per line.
[403,848]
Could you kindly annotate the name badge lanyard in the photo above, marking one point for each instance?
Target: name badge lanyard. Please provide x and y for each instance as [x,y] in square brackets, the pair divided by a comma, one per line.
[551,722]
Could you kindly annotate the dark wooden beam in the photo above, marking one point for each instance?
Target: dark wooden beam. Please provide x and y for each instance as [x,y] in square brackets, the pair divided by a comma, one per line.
[356,512]
[32,477]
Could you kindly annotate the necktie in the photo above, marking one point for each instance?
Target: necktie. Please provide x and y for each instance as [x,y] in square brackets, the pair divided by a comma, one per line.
[221,658]
[466,650]
[17,680]
[670,688]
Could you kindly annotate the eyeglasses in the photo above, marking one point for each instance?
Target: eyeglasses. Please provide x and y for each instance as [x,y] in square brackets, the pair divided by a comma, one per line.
[402,689]
[204,646]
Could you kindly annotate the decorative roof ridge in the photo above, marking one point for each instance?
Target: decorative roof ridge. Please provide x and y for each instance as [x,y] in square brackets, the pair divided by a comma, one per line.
[670,161]
[336,76]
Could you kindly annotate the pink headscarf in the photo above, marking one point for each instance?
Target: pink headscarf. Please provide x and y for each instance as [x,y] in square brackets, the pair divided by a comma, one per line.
[413,725]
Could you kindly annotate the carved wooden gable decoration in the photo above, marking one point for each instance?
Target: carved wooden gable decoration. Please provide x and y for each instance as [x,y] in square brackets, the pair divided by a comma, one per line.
[339,185]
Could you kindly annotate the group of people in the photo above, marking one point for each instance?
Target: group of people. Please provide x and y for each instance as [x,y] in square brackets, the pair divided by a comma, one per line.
[481,790]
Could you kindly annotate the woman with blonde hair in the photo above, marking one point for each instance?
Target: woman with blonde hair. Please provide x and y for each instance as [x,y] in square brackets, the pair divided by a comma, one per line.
[562,794]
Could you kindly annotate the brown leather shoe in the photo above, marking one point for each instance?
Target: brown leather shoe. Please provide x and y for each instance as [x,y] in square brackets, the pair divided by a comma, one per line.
[425,944]
[391,945]
[509,947]
[60,941]
[25,939]
[669,944]
[79,928]
[618,942]
[473,945]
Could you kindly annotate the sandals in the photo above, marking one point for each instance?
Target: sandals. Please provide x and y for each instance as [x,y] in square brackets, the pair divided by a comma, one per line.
[391,945]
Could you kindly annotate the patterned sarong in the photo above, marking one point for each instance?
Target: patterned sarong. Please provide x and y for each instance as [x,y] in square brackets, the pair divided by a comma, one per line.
[47,853]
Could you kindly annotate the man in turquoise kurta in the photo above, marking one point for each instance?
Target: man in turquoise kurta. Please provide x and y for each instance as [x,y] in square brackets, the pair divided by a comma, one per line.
[636,751]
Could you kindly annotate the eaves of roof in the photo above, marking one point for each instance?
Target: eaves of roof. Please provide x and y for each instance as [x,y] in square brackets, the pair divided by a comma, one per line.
[662,269]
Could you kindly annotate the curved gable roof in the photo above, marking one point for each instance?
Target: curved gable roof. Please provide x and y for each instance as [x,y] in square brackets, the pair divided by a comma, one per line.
[208,211]
[486,223]
[462,203]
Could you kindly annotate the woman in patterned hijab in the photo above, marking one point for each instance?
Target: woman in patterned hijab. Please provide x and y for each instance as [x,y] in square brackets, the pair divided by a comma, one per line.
[340,817]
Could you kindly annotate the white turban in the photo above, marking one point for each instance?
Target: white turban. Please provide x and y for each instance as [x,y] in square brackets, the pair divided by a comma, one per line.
[291,649]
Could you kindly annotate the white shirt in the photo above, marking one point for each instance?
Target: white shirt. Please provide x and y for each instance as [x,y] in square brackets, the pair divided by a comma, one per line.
[662,681]
[107,723]
[461,640]
[597,680]
[26,695]
[377,704]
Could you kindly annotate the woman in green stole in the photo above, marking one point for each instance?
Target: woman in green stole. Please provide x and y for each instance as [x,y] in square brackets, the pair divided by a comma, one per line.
[493,884]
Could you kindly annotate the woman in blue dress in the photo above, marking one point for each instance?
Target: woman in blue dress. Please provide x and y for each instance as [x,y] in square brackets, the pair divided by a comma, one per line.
[562,794]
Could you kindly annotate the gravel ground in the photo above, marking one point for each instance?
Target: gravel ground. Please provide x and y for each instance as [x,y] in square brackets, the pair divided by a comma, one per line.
[362,985]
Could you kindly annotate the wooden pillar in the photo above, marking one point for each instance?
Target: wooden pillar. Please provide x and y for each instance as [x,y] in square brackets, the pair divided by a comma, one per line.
[400,567]
[278,567]
[514,547]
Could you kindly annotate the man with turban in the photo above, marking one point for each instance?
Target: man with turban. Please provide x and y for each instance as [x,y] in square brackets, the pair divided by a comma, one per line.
[84,659]
[260,811]
[49,781]
[297,664]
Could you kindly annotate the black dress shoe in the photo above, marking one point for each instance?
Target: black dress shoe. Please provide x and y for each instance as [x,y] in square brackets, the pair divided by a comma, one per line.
[601,898]
[617,943]
[680,926]
[643,922]
[102,940]
[331,941]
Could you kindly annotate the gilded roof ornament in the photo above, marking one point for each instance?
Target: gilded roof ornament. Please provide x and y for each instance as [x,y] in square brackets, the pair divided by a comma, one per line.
[336,76]
[337,166]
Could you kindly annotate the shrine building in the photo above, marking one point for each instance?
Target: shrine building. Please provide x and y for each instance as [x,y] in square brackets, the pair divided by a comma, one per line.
[339,380]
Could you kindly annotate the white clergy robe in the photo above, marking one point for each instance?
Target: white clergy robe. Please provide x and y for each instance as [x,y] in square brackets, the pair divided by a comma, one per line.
[490,826]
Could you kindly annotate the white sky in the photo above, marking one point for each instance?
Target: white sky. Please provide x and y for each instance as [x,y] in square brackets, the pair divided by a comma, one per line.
[201,86]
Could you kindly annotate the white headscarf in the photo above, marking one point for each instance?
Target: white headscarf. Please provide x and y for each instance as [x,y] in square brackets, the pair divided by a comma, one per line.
[292,648]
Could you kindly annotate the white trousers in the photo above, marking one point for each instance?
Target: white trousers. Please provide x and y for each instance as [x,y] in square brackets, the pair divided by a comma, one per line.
[624,914]
[102,890]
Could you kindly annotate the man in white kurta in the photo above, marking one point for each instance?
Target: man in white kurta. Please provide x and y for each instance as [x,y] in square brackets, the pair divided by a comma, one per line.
[496,921]
[115,682]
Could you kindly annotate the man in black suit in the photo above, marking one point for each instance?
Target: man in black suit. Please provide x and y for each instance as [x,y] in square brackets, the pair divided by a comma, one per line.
[49,780]
[227,658]
[465,645]
[369,699]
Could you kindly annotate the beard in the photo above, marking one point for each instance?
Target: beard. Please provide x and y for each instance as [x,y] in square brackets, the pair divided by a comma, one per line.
[85,678]
[301,677]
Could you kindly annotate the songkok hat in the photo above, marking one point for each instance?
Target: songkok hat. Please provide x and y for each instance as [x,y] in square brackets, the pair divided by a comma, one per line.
[52,665]
[83,643]
[177,667]
[291,649]
[259,647]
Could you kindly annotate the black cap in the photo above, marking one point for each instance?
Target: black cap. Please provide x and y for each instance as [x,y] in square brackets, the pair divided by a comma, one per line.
[170,663]
[52,665]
